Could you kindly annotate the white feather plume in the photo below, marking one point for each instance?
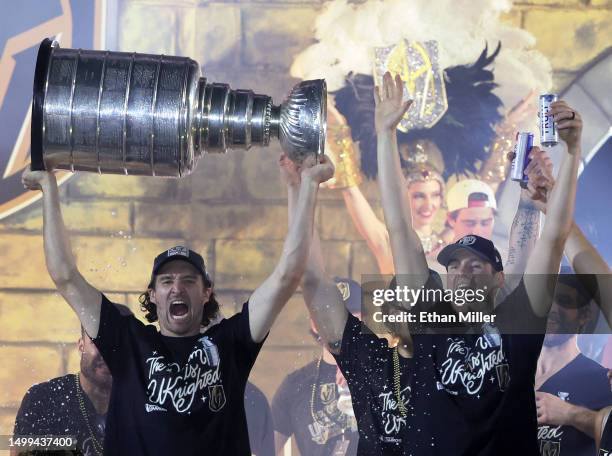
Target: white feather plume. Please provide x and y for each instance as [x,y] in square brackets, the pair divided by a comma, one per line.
[347,33]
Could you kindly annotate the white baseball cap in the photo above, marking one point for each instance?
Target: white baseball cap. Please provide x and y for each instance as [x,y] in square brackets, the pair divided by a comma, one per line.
[470,193]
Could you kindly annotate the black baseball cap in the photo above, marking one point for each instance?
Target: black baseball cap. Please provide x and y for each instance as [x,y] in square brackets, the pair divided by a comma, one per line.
[480,246]
[180,253]
[351,293]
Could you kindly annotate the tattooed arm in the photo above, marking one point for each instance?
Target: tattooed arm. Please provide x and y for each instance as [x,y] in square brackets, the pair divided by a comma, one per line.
[526,224]
[523,235]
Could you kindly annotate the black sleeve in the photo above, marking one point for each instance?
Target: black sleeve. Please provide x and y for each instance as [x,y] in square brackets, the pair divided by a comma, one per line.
[30,415]
[261,432]
[112,334]
[515,315]
[248,349]
[266,440]
[281,407]
[359,349]
[267,443]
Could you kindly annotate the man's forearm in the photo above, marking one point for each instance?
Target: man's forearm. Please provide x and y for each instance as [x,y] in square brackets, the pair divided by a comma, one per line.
[321,295]
[582,255]
[543,264]
[314,265]
[392,188]
[58,253]
[406,247]
[582,419]
[560,207]
[523,236]
[369,227]
[593,269]
[297,244]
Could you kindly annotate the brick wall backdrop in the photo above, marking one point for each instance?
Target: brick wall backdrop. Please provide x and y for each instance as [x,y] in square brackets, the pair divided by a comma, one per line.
[233,208]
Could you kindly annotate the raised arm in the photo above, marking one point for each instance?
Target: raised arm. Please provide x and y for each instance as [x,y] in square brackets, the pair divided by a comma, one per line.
[84,299]
[370,227]
[523,235]
[268,299]
[547,253]
[341,149]
[585,259]
[407,250]
[321,295]
[582,255]
[526,224]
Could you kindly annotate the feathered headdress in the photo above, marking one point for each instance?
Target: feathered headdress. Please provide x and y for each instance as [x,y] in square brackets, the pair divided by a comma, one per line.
[463,133]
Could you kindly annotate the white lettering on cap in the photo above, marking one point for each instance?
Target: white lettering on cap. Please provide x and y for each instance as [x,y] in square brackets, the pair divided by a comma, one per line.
[467,240]
[179,250]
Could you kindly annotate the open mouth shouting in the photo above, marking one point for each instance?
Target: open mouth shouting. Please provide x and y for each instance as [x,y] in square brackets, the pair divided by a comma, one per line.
[465,283]
[179,309]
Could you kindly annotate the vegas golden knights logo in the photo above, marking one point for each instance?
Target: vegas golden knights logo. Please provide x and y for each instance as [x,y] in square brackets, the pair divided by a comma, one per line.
[23,25]
[548,448]
[503,376]
[345,290]
[217,397]
[327,392]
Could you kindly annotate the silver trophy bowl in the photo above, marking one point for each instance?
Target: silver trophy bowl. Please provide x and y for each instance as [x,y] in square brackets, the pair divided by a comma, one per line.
[154,115]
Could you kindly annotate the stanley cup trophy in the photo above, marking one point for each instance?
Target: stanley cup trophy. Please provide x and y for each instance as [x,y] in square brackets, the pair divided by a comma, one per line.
[154,115]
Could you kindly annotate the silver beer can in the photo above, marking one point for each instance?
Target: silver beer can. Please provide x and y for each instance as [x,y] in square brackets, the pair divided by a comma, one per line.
[548,132]
[524,143]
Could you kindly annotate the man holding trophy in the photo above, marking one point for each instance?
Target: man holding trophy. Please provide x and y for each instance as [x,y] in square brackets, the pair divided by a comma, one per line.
[175,390]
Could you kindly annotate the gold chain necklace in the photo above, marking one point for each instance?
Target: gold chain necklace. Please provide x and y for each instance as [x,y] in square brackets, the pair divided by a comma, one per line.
[98,448]
[312,396]
[396,384]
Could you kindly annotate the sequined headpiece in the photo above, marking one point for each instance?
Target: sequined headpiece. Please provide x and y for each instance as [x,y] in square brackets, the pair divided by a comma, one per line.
[418,65]
[422,161]
[463,133]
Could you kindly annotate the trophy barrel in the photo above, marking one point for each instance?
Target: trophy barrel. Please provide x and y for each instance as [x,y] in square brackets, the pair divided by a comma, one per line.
[154,115]
[113,112]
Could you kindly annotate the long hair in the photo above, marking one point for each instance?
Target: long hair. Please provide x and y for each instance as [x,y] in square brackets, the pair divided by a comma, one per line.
[211,307]
[464,132]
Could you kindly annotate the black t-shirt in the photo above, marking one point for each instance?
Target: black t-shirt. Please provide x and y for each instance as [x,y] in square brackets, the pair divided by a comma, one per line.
[52,408]
[176,395]
[259,421]
[292,412]
[470,394]
[367,364]
[482,399]
[581,382]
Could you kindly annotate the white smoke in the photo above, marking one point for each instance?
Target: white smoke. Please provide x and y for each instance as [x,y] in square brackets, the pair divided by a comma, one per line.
[347,33]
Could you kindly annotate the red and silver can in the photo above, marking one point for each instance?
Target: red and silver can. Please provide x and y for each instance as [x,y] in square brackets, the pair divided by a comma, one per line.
[524,143]
[548,132]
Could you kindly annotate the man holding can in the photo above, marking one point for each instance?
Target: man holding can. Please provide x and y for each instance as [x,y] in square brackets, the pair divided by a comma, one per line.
[460,389]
